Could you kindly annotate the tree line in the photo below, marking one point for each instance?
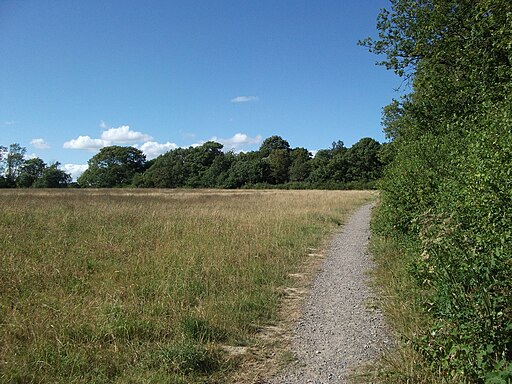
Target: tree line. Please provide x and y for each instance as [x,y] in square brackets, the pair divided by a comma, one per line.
[274,164]
[16,171]
[447,194]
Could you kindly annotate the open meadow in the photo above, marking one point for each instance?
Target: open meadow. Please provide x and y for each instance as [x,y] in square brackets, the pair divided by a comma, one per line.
[103,286]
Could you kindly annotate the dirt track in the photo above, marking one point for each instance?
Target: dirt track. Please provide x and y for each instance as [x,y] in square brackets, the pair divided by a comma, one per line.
[338,330]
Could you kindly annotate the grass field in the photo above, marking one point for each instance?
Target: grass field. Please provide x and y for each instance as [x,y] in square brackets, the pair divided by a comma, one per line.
[148,286]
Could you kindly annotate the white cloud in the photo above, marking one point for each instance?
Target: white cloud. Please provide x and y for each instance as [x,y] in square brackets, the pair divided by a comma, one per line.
[153,149]
[111,136]
[75,170]
[85,142]
[244,99]
[238,141]
[123,135]
[199,143]
[39,144]
[10,122]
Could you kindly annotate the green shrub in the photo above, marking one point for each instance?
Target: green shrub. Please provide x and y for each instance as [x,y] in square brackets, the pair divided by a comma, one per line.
[448,190]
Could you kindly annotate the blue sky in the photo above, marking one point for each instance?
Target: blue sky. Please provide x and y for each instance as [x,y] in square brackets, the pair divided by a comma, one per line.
[78,75]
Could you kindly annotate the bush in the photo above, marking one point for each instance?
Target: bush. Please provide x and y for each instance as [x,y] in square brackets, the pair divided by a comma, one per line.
[461,214]
[448,189]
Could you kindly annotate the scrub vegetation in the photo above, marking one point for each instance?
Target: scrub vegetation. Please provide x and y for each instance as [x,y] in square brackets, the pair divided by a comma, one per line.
[446,207]
[149,286]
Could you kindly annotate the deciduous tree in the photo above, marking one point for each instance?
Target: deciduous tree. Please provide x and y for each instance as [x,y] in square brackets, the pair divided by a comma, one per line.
[300,167]
[279,162]
[271,143]
[53,177]
[14,159]
[113,166]
[30,172]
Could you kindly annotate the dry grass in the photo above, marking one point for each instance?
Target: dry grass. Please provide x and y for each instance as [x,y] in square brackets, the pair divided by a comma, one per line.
[150,286]
[400,301]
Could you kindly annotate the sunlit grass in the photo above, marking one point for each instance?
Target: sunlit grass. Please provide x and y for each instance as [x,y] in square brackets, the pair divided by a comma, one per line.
[400,301]
[102,286]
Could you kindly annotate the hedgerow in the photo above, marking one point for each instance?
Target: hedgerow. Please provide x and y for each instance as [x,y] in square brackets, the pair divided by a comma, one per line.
[448,189]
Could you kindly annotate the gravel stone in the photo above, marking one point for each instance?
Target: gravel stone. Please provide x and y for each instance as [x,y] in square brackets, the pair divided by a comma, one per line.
[338,331]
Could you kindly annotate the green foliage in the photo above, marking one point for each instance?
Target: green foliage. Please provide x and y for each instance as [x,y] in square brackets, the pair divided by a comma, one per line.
[53,177]
[113,166]
[272,143]
[300,167]
[466,245]
[206,166]
[202,166]
[13,159]
[248,169]
[30,171]
[275,164]
[279,162]
[448,186]
[363,162]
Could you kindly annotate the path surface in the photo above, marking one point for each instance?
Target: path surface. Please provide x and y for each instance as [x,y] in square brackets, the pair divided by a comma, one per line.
[338,331]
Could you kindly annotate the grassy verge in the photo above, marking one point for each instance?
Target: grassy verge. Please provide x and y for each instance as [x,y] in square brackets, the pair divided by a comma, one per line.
[148,286]
[402,303]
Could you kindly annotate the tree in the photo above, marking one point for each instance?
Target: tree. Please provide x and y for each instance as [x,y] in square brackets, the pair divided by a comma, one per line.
[337,165]
[53,177]
[279,162]
[320,172]
[113,166]
[271,143]
[206,153]
[216,174]
[3,154]
[248,168]
[447,189]
[30,172]
[338,147]
[338,168]
[187,167]
[363,160]
[198,162]
[14,159]
[300,167]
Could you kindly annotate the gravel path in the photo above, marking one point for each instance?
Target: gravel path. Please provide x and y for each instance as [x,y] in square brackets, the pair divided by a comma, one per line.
[338,331]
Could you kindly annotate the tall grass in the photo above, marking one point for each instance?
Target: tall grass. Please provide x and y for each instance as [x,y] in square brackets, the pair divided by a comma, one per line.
[401,301]
[147,286]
